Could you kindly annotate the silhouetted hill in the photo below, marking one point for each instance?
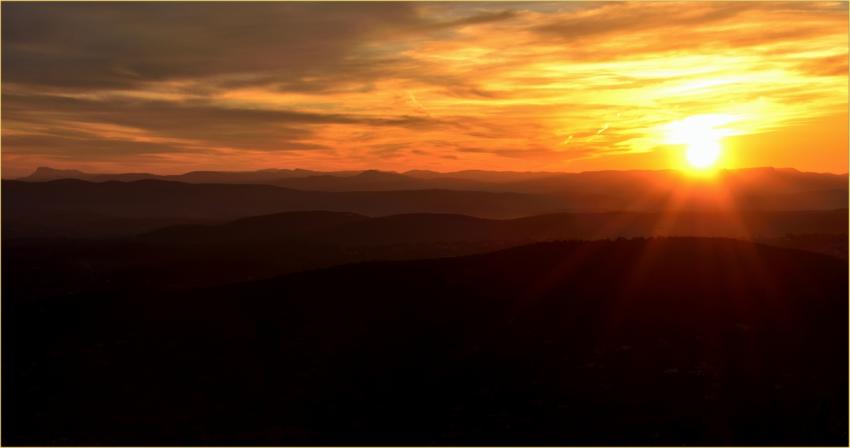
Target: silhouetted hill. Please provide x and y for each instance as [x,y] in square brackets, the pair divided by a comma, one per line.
[241,177]
[367,180]
[669,341]
[782,180]
[265,246]
[43,174]
[267,229]
[25,203]
[83,224]
[373,180]
[634,190]
[778,180]
[480,175]
[155,199]
[813,200]
[269,175]
[829,244]
[757,188]
[346,228]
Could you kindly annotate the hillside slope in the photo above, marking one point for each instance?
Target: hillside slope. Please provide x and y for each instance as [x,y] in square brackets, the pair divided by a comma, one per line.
[667,341]
[157,199]
[347,228]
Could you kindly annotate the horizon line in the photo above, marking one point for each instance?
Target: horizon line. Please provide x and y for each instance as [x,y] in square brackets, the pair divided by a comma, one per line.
[360,171]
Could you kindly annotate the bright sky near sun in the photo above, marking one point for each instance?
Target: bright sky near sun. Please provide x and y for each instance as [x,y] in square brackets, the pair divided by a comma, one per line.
[567,86]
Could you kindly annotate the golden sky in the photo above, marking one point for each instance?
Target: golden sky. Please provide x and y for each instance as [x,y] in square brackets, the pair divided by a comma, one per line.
[571,86]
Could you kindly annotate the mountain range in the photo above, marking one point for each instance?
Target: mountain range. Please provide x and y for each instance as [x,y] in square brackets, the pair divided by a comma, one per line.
[271,176]
[740,181]
[420,308]
[71,206]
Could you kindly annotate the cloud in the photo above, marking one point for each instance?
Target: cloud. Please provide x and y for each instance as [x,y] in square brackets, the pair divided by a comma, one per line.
[644,29]
[84,148]
[259,84]
[295,46]
[827,66]
[479,19]
[195,124]
[123,45]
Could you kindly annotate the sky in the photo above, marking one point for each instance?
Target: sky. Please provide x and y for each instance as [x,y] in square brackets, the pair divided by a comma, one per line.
[569,86]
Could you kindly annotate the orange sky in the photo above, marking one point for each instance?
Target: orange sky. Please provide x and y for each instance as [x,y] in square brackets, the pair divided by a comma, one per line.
[446,86]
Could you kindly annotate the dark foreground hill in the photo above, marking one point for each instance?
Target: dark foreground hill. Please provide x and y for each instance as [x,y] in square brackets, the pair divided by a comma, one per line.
[270,245]
[349,228]
[647,342]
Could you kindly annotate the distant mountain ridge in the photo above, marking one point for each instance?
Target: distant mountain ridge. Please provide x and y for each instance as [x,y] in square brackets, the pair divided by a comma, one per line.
[599,190]
[124,207]
[513,181]
[357,180]
[44,174]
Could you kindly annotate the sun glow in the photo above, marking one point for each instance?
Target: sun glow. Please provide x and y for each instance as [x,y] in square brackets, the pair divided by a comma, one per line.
[702,136]
[703,154]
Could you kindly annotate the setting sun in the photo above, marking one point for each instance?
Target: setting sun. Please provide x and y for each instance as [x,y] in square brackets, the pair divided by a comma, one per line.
[701,135]
[704,154]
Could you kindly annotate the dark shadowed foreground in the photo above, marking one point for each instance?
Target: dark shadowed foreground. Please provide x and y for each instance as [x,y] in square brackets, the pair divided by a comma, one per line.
[648,342]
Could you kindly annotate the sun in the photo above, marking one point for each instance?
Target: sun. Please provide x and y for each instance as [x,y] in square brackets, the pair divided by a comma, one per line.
[702,139]
[704,154]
